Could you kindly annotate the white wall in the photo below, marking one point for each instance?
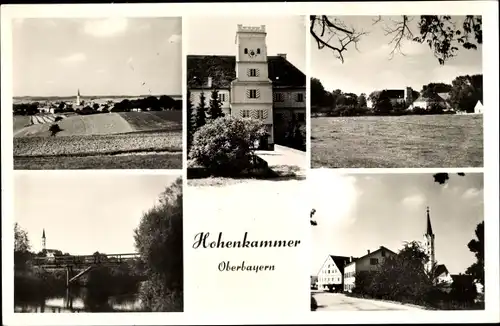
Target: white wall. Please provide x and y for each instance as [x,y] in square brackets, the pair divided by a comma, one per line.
[329,274]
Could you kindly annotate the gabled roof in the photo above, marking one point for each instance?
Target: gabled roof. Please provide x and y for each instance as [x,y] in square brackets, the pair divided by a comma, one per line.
[440,269]
[373,253]
[431,98]
[222,70]
[444,96]
[340,261]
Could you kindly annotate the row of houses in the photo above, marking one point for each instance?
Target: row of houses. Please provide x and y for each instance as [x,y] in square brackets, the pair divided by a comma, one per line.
[339,272]
[405,96]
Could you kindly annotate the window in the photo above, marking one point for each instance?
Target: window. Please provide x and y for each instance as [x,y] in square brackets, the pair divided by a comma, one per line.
[258,50]
[373,261]
[246,51]
[261,114]
[300,97]
[222,97]
[278,97]
[253,72]
[245,113]
[383,253]
[253,93]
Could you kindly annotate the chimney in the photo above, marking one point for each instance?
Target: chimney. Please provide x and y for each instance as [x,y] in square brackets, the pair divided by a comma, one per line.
[209,82]
[283,55]
[368,251]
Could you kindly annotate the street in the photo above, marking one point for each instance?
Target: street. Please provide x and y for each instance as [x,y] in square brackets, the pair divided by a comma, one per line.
[337,301]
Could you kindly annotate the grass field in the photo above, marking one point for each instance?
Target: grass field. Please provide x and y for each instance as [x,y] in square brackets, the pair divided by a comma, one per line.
[397,142]
[133,140]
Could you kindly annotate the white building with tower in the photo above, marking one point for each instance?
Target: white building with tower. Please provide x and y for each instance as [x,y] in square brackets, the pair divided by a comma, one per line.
[251,84]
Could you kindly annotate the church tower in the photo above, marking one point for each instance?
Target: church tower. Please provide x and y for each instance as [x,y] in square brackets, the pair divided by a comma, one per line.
[44,240]
[78,98]
[252,90]
[429,244]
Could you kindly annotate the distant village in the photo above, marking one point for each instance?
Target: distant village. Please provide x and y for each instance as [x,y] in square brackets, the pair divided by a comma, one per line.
[93,105]
[463,96]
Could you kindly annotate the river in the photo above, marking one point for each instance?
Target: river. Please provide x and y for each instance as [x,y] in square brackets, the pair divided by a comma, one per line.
[80,300]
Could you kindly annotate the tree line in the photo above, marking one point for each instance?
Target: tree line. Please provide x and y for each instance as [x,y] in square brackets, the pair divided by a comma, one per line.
[464,92]
[150,103]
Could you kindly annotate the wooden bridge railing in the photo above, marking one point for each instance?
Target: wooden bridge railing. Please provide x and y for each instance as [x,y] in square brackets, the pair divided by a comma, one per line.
[84,259]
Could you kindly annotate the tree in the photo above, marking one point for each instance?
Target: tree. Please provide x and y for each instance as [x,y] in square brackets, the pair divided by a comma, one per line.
[95,106]
[226,146]
[466,91]
[362,103]
[477,247]
[382,104]
[434,88]
[158,239]
[442,34]
[317,93]
[166,102]
[21,241]
[61,105]
[201,115]
[191,124]
[215,110]
[441,178]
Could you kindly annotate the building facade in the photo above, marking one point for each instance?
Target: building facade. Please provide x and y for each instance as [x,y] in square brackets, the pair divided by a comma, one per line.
[332,273]
[251,84]
[369,262]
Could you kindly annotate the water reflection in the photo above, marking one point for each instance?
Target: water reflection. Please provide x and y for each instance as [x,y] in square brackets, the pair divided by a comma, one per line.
[80,300]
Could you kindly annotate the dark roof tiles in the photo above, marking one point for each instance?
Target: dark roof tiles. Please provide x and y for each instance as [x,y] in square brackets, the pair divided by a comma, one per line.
[222,71]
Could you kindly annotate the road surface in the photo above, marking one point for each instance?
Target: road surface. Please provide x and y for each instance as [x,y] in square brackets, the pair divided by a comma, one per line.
[336,301]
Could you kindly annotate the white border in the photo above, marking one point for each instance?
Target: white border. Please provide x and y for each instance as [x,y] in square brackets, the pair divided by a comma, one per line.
[489,11]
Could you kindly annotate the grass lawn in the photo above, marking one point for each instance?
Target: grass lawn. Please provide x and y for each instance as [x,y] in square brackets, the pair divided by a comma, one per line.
[143,161]
[397,142]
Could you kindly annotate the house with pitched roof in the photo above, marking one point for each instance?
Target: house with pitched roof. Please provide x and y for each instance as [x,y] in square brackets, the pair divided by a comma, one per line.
[369,262]
[426,101]
[332,272]
[251,83]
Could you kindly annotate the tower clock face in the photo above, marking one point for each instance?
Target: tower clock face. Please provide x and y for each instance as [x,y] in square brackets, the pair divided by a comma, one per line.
[251,53]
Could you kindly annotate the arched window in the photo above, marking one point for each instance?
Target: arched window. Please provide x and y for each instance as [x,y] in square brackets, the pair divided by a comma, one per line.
[258,50]
[246,51]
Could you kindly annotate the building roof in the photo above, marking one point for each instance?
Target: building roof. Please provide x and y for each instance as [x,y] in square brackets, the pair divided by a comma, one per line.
[440,269]
[439,97]
[373,253]
[340,261]
[222,69]
[444,96]
[43,234]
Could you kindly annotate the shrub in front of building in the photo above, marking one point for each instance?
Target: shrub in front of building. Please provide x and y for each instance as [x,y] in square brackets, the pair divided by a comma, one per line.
[226,145]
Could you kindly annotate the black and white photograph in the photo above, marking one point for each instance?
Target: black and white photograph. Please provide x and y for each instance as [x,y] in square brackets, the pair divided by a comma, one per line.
[97,93]
[410,241]
[396,91]
[246,92]
[98,243]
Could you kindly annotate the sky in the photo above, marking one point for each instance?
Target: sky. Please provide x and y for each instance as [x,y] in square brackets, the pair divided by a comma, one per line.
[216,36]
[84,213]
[371,68]
[356,213]
[114,56]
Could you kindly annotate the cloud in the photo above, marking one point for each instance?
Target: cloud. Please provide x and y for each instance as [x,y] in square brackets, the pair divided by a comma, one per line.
[73,58]
[471,193]
[175,38]
[414,200]
[105,27]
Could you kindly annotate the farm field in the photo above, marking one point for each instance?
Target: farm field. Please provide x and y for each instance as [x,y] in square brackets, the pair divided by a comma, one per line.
[139,140]
[397,142]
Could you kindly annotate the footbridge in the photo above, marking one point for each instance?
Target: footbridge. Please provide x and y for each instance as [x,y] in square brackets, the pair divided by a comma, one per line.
[84,263]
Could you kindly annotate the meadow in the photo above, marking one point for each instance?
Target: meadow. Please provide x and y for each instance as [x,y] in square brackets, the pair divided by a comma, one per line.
[140,140]
[412,141]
